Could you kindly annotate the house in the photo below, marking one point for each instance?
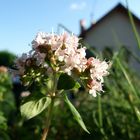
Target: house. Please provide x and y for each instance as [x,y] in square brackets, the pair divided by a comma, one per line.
[112,31]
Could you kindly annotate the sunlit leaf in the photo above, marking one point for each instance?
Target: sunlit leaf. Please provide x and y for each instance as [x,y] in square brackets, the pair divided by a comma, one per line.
[34,107]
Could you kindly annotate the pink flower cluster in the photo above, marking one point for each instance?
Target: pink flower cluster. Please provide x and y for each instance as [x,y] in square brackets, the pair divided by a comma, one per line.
[98,69]
[64,50]
[63,53]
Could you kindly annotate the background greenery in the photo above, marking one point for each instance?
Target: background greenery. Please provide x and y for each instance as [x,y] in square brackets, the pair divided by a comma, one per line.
[115,114]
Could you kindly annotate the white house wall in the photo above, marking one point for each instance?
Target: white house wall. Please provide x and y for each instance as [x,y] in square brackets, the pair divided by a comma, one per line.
[114,31]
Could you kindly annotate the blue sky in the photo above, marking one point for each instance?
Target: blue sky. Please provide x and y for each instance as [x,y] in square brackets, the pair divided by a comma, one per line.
[20,20]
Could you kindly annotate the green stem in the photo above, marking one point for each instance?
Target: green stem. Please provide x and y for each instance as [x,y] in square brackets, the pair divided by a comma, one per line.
[127,77]
[133,25]
[100,111]
[48,121]
[101,118]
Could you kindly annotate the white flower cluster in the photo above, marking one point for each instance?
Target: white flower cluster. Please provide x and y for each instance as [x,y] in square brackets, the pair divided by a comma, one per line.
[63,53]
[64,49]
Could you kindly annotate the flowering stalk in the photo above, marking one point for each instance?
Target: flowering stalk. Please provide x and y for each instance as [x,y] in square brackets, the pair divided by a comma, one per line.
[58,63]
[52,87]
[48,121]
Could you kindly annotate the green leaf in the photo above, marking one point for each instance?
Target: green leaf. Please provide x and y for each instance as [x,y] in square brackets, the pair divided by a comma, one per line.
[4,135]
[3,122]
[75,113]
[77,85]
[34,107]
[66,82]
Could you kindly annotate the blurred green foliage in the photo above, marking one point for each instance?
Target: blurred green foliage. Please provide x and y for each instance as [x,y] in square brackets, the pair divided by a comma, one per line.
[7,58]
[115,114]
[7,104]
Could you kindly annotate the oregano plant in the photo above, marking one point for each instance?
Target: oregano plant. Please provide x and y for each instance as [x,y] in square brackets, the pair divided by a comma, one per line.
[58,63]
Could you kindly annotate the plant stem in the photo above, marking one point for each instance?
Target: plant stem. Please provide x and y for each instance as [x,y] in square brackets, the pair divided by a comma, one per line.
[48,121]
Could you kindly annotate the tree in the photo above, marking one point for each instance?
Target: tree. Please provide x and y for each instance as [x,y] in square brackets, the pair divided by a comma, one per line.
[7,58]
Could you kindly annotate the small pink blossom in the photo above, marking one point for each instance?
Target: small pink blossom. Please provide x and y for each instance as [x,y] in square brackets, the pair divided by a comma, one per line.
[98,68]
[94,87]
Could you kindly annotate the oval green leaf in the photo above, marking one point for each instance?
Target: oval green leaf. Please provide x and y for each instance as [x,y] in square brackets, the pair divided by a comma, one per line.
[34,107]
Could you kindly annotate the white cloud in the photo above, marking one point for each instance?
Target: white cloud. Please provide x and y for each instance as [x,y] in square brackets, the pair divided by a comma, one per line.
[78,6]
